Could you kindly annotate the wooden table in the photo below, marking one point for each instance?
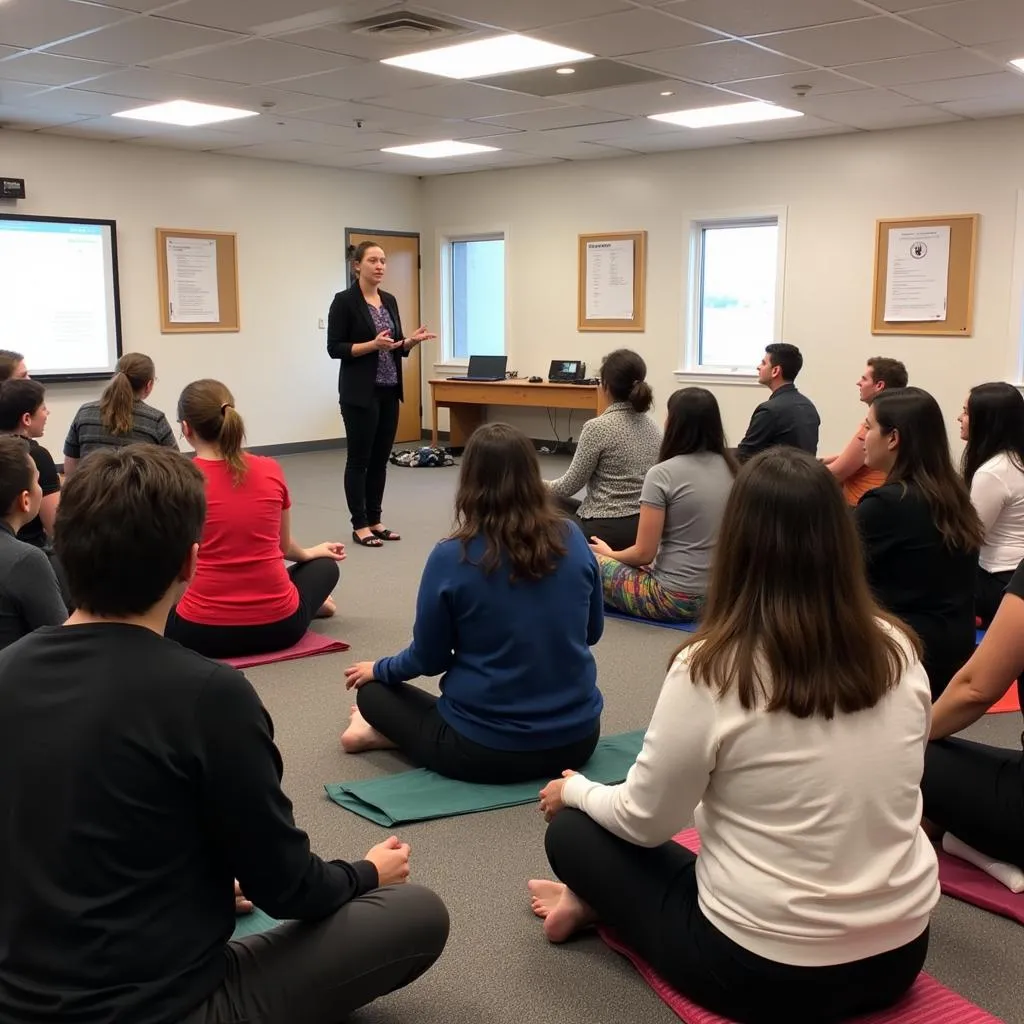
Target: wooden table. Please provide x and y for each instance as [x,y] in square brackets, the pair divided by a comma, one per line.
[466,401]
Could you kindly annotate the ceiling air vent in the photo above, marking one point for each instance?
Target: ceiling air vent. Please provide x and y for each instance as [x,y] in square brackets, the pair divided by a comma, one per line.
[407,27]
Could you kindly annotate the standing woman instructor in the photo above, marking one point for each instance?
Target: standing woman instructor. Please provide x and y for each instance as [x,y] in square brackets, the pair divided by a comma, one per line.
[364,331]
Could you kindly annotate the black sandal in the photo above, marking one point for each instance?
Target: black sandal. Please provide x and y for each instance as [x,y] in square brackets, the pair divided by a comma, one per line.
[386,534]
[368,542]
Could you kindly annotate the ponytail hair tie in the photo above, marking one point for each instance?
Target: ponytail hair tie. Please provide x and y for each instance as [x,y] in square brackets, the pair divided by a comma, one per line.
[225,407]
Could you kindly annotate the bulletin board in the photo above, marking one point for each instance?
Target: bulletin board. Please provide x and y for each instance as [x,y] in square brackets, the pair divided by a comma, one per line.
[209,279]
[611,288]
[959,313]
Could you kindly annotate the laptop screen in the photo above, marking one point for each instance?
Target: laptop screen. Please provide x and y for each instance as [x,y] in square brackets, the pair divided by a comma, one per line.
[487,366]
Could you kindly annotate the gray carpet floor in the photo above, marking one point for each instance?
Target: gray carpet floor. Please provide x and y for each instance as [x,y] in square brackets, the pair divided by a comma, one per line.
[498,968]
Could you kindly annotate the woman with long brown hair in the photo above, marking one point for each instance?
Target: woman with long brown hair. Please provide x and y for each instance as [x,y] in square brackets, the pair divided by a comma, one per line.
[121,416]
[508,609]
[921,533]
[792,728]
[242,600]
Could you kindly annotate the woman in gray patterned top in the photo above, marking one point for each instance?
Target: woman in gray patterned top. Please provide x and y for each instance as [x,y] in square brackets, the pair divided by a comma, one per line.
[121,416]
[615,451]
[663,574]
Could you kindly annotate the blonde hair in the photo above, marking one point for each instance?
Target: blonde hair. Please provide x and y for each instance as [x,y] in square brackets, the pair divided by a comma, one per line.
[208,407]
[117,404]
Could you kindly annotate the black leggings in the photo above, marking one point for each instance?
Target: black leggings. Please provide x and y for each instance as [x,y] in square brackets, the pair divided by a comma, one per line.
[649,897]
[976,792]
[988,593]
[618,533]
[313,580]
[408,716]
[369,436]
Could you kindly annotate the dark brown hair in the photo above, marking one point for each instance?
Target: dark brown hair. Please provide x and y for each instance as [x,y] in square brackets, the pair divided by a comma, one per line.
[890,372]
[694,424]
[995,425]
[623,374]
[209,409]
[502,499]
[9,360]
[790,618]
[923,463]
[126,522]
[787,358]
[19,396]
[117,404]
[16,467]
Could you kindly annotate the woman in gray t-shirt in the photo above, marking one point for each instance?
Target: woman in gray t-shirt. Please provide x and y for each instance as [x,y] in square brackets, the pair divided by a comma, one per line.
[663,575]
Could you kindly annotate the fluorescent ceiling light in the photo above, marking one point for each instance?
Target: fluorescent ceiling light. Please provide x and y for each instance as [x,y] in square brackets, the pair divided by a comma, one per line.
[433,150]
[186,114]
[565,71]
[496,56]
[1018,63]
[731,113]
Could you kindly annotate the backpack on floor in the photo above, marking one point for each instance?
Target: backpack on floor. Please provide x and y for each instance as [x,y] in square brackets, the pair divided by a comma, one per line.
[420,458]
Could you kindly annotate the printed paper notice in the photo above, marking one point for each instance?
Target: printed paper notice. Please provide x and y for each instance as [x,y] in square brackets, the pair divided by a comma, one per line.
[609,280]
[917,276]
[192,292]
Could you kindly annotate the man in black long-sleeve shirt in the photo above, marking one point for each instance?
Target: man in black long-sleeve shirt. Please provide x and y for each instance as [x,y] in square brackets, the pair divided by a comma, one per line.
[788,417]
[138,780]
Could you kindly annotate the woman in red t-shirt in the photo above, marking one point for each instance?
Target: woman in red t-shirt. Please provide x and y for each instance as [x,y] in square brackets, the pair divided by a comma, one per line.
[242,600]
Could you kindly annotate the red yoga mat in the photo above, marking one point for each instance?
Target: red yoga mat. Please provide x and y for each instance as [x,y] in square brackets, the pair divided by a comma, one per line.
[964,881]
[312,643]
[1010,701]
[928,1002]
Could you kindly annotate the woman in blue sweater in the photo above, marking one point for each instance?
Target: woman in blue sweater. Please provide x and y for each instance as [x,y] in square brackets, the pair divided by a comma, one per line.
[507,611]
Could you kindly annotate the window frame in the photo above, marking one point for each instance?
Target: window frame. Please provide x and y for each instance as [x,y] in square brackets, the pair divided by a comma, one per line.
[691,367]
[448,239]
[1016,324]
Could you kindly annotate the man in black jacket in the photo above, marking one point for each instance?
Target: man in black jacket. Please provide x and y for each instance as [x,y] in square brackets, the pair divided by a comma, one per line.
[788,417]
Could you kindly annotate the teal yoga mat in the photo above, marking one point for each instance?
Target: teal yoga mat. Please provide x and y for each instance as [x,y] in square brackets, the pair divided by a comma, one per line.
[253,924]
[422,795]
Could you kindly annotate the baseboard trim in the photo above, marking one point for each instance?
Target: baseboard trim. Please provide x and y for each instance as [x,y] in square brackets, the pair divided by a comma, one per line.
[327,444]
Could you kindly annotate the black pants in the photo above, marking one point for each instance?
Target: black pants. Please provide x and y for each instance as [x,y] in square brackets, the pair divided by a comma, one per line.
[649,897]
[988,593]
[977,793]
[319,973]
[618,534]
[408,716]
[369,436]
[313,580]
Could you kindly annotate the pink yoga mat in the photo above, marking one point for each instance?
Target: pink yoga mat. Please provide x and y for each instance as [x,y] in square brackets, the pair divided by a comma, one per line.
[965,882]
[928,1002]
[312,643]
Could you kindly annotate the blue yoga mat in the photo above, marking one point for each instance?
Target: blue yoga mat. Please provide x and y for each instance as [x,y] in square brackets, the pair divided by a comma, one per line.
[253,924]
[422,795]
[686,627]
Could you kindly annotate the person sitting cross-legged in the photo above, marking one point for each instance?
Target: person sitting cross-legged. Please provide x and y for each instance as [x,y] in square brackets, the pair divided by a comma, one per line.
[140,780]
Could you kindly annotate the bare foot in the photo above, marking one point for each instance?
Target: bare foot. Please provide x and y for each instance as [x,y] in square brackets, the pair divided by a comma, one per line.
[360,735]
[561,910]
[327,609]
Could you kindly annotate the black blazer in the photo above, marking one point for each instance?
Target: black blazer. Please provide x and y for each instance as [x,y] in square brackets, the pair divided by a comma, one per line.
[348,323]
[787,418]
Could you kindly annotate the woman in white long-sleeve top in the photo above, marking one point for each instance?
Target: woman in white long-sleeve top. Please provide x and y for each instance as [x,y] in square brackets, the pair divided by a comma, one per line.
[793,729]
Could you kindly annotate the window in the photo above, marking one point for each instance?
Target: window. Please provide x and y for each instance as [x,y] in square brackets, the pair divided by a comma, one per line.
[736,298]
[475,321]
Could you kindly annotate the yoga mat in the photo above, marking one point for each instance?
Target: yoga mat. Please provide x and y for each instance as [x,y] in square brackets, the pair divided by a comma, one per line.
[965,882]
[1010,701]
[686,627]
[422,795]
[312,643]
[253,924]
[928,1001]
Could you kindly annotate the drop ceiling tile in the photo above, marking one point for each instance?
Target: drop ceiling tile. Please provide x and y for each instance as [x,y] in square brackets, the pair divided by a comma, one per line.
[256,61]
[140,40]
[357,83]
[624,131]
[789,128]
[77,101]
[544,143]
[14,93]
[677,143]
[641,100]
[33,23]
[925,67]
[259,17]
[717,62]
[19,118]
[1011,48]
[855,41]
[995,106]
[556,117]
[460,100]
[9,51]
[88,129]
[613,35]
[49,69]
[899,6]
[1004,84]
[522,15]
[843,106]
[973,21]
[336,37]
[783,88]
[751,17]
[136,6]
[902,117]
[377,119]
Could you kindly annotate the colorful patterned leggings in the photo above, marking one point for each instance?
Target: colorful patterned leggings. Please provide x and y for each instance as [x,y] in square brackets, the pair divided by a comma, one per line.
[636,592]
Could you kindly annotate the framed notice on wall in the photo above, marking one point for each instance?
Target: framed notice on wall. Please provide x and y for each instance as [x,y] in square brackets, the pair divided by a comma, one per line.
[924,275]
[198,281]
[612,281]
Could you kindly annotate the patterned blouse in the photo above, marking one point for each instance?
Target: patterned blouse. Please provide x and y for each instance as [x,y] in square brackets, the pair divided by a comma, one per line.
[387,372]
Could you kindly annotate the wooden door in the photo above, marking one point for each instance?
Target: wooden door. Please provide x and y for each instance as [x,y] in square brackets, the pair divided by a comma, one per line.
[402,279]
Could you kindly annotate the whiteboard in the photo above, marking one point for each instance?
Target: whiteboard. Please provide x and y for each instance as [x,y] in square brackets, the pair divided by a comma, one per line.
[59,303]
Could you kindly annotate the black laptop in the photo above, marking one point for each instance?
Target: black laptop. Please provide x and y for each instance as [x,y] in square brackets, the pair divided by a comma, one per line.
[485,368]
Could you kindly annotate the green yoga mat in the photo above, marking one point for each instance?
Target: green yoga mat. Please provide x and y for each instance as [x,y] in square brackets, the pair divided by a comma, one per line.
[422,795]
[253,924]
